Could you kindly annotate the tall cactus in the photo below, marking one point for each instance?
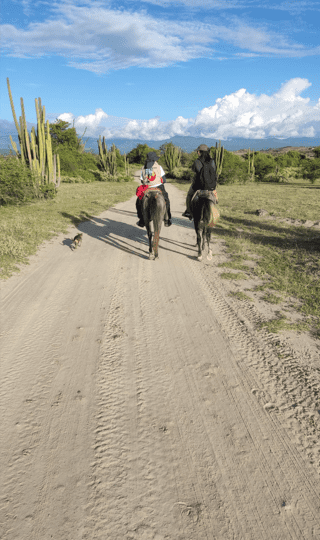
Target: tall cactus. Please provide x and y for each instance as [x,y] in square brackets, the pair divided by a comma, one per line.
[172,157]
[219,151]
[112,160]
[107,158]
[251,169]
[126,164]
[103,153]
[36,147]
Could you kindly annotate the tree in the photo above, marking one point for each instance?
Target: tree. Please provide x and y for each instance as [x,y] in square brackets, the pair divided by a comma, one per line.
[74,161]
[234,169]
[63,135]
[311,169]
[317,151]
[265,164]
[139,153]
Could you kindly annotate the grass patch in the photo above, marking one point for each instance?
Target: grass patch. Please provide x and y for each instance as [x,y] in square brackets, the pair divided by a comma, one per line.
[232,275]
[240,296]
[272,298]
[282,323]
[286,256]
[235,265]
[23,228]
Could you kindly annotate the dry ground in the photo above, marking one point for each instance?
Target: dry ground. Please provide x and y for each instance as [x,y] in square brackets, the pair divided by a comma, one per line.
[139,401]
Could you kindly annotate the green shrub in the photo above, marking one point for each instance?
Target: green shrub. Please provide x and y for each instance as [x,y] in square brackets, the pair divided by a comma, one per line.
[139,154]
[289,159]
[317,151]
[17,182]
[234,169]
[311,169]
[76,164]
[265,165]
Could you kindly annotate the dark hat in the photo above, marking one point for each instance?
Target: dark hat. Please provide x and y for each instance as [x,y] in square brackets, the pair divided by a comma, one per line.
[152,156]
[203,147]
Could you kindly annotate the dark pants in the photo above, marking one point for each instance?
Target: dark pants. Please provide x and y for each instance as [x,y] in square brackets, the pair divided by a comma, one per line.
[166,198]
[190,194]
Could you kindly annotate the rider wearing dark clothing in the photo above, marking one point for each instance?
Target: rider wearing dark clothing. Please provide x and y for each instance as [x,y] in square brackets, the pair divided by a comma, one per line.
[201,181]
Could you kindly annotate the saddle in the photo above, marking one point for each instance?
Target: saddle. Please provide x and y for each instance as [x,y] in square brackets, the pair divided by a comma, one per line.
[143,190]
[206,194]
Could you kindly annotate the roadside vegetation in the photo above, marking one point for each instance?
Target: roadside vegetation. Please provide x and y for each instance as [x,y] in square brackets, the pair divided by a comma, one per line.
[281,247]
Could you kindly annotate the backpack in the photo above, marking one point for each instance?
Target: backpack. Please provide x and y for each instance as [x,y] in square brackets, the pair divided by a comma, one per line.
[208,176]
[152,176]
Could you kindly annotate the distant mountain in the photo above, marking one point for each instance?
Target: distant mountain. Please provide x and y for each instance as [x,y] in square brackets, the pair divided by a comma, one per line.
[188,144]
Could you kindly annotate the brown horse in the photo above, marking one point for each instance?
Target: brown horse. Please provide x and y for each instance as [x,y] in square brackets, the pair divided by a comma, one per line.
[203,209]
[154,211]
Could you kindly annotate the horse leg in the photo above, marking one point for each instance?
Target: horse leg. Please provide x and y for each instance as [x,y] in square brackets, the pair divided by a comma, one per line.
[203,237]
[209,256]
[159,215]
[199,242]
[149,232]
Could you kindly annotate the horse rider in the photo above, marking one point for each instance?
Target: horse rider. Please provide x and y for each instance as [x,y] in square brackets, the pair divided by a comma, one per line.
[200,182]
[153,175]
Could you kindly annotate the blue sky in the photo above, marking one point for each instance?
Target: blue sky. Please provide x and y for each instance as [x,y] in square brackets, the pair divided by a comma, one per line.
[154,69]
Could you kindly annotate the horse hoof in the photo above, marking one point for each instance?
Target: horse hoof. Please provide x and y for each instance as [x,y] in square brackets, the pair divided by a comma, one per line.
[209,256]
[199,258]
[151,257]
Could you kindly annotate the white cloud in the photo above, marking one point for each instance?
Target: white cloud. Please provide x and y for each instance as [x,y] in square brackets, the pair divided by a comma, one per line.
[99,39]
[240,114]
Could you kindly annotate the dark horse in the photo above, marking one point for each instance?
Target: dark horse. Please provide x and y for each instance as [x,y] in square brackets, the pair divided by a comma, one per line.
[154,210]
[202,207]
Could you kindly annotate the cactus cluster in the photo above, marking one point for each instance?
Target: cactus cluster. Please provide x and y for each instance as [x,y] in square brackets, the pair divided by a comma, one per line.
[251,169]
[108,158]
[36,147]
[172,157]
[219,151]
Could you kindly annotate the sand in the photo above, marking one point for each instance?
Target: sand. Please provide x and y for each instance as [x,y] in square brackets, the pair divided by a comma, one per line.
[139,401]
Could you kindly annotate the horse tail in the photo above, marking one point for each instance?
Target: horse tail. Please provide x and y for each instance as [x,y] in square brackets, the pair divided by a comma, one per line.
[152,208]
[206,211]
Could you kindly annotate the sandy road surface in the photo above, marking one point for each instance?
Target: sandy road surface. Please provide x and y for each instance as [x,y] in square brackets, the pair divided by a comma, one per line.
[134,402]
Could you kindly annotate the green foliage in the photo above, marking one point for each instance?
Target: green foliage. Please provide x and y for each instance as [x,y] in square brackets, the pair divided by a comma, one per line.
[63,135]
[234,169]
[289,159]
[317,151]
[139,154]
[18,184]
[311,169]
[265,164]
[76,164]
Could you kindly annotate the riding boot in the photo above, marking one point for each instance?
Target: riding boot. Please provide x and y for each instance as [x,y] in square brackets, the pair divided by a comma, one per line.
[187,212]
[139,212]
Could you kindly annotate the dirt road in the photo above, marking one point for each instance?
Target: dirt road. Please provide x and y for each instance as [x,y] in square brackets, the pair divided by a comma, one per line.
[137,404]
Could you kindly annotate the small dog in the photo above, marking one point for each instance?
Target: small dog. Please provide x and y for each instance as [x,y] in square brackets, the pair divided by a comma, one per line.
[77,241]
